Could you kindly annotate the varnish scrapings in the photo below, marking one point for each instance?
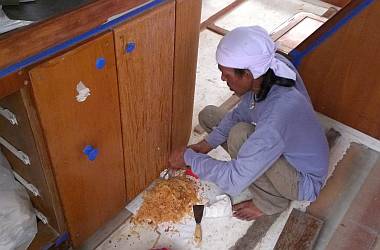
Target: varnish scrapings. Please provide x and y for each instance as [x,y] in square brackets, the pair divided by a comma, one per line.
[168,201]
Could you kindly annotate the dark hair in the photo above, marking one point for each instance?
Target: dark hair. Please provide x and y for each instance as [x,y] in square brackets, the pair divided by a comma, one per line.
[240,72]
[269,79]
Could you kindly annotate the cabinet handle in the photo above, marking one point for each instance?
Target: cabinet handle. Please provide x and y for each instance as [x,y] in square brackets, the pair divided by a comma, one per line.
[41,216]
[26,184]
[91,152]
[8,115]
[18,153]
[130,47]
[100,63]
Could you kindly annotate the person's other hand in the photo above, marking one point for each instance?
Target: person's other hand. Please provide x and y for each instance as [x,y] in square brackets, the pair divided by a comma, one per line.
[176,159]
[201,147]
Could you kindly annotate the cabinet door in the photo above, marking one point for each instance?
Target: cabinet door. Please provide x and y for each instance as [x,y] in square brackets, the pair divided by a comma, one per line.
[91,191]
[188,15]
[144,53]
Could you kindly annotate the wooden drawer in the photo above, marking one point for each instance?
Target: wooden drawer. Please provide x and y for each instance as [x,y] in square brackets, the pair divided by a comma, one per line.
[21,137]
[91,191]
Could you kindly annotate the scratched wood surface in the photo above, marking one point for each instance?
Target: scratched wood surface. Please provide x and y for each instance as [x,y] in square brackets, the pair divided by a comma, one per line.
[91,192]
[145,87]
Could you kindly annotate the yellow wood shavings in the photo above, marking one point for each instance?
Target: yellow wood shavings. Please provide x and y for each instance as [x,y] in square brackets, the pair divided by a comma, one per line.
[168,201]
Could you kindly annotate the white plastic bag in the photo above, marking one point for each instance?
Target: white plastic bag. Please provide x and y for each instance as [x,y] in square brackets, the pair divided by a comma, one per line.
[222,207]
[18,223]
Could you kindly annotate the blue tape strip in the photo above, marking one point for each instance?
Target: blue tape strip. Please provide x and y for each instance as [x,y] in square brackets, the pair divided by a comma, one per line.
[297,56]
[61,239]
[53,50]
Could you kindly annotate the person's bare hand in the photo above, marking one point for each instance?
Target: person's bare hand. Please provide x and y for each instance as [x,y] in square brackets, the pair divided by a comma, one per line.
[176,159]
[201,147]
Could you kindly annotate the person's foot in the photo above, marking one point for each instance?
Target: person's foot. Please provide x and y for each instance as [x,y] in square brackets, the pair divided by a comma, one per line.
[246,210]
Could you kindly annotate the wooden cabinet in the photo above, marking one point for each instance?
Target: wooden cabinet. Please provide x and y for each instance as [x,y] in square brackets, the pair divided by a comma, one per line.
[99,116]
[91,191]
[144,51]
[339,73]
[31,167]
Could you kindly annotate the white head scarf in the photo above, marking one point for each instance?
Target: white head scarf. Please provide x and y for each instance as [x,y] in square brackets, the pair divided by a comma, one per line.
[251,48]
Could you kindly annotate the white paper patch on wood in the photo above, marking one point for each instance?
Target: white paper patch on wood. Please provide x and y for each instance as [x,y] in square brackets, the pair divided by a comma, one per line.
[83,92]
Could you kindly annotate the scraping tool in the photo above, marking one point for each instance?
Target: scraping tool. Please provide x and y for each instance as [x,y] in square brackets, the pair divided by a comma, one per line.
[198,214]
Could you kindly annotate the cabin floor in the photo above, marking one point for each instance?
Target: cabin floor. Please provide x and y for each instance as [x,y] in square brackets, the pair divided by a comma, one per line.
[348,204]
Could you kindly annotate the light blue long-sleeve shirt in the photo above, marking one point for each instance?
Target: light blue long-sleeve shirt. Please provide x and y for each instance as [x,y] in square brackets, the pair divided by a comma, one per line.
[286,124]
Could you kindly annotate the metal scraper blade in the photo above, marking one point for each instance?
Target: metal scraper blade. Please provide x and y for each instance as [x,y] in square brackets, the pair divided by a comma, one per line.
[198,213]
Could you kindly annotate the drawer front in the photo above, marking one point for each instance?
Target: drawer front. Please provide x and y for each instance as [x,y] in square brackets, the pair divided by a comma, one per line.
[91,191]
[20,137]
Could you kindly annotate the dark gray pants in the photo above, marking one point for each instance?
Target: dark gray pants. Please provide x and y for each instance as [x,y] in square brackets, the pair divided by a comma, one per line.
[271,192]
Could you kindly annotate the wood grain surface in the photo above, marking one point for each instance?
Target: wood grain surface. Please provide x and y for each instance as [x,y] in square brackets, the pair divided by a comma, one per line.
[91,192]
[27,41]
[145,87]
[341,74]
[185,64]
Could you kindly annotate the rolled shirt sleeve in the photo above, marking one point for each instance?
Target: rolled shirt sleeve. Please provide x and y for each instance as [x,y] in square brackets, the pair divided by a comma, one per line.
[255,157]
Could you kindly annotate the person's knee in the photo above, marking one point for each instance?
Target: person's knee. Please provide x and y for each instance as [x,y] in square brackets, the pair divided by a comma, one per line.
[207,117]
[237,136]
[240,132]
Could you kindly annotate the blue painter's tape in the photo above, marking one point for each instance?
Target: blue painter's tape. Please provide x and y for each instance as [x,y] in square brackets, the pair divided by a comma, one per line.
[87,149]
[53,245]
[71,42]
[297,56]
[61,239]
[130,47]
[100,63]
[93,154]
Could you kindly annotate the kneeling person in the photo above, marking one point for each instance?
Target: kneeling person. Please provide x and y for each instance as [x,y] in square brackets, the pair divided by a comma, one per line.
[278,148]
